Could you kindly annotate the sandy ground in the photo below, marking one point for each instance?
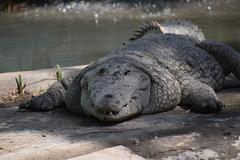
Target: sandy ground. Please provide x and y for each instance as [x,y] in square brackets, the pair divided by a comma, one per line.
[172,135]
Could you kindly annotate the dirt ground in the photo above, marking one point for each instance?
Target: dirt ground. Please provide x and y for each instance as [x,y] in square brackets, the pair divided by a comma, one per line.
[172,135]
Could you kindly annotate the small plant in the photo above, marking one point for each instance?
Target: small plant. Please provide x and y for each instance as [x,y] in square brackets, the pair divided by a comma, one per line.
[58,73]
[20,84]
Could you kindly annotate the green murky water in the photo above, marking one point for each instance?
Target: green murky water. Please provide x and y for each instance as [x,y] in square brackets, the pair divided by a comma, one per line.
[42,38]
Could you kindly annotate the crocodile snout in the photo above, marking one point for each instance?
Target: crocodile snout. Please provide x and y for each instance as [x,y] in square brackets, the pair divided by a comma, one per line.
[108,105]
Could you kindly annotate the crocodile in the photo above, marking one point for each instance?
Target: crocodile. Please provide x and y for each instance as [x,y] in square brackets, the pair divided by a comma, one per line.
[162,66]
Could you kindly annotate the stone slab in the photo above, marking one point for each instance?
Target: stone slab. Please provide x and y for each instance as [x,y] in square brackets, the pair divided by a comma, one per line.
[113,153]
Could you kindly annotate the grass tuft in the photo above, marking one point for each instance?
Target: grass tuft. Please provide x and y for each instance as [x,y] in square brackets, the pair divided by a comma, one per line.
[58,73]
[20,84]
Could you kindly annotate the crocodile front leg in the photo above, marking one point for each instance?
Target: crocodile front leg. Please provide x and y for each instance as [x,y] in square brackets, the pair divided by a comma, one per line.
[165,92]
[53,98]
[49,100]
[199,97]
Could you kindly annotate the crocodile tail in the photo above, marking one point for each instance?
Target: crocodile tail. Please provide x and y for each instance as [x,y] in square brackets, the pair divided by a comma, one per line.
[181,27]
[146,28]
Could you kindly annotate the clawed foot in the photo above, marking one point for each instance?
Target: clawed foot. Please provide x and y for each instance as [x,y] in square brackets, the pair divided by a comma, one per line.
[38,104]
[208,106]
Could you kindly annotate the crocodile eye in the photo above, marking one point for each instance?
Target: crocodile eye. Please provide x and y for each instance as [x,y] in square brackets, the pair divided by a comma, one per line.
[101,71]
[144,83]
[143,78]
[143,87]
[84,84]
[126,72]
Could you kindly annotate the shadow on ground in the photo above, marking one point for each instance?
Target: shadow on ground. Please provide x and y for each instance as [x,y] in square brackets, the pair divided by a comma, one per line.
[151,136]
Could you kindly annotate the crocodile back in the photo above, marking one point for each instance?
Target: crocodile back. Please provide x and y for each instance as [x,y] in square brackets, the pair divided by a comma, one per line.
[179,54]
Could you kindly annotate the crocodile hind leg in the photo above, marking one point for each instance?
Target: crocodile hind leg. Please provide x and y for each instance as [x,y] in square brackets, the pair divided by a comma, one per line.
[49,100]
[224,54]
[199,97]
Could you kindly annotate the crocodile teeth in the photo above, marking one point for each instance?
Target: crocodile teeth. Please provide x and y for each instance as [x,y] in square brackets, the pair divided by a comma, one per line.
[109,113]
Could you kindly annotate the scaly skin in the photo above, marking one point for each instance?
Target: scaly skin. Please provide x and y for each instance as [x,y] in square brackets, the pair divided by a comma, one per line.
[151,74]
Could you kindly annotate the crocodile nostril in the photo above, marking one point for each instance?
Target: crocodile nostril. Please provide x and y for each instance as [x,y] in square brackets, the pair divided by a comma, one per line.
[108,96]
[112,98]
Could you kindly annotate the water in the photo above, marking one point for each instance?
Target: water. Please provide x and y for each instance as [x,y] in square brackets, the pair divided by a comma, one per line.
[79,33]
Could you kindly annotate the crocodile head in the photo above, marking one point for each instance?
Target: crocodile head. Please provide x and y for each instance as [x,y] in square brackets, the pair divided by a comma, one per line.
[114,92]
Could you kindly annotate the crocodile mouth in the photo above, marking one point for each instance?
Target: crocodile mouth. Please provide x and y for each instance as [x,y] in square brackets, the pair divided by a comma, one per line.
[110,113]
[117,113]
